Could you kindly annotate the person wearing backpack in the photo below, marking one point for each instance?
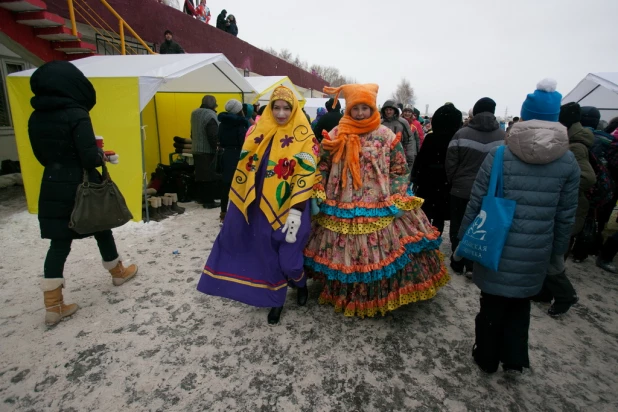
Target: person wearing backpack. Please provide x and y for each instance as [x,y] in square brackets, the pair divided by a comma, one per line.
[542,176]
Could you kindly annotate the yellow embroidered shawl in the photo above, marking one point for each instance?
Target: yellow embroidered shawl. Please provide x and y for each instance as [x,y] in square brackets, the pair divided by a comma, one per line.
[292,164]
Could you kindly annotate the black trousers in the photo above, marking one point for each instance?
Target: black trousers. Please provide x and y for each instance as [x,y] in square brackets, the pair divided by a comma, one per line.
[610,248]
[225,196]
[59,250]
[502,333]
[458,210]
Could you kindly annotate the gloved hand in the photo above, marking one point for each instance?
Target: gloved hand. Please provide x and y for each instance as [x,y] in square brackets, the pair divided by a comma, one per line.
[315,206]
[292,224]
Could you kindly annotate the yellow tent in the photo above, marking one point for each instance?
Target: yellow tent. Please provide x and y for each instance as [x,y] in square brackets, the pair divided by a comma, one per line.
[265,85]
[143,101]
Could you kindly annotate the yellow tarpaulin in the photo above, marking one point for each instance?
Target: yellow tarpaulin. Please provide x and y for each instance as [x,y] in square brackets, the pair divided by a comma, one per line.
[116,117]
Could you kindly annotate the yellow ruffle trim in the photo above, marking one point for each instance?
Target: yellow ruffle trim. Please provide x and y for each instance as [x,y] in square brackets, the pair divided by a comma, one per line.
[395,300]
[319,192]
[408,203]
[353,228]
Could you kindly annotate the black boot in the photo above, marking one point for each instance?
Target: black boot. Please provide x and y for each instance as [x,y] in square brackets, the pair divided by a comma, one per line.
[274,315]
[212,205]
[560,308]
[303,294]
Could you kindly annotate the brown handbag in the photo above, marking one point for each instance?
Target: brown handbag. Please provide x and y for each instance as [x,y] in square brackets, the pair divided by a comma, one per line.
[98,206]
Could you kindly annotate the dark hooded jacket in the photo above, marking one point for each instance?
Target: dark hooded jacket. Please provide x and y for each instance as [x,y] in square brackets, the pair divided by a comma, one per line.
[580,141]
[232,131]
[468,149]
[400,125]
[222,20]
[329,121]
[428,173]
[63,142]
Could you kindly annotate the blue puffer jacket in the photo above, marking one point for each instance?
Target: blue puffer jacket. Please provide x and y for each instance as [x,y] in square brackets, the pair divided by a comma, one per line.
[542,176]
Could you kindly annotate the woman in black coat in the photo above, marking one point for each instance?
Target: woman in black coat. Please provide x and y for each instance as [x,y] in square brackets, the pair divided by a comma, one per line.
[428,173]
[232,27]
[233,126]
[63,142]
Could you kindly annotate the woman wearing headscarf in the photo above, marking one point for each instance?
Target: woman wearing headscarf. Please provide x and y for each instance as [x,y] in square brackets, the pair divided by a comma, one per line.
[372,246]
[260,248]
[63,142]
[428,173]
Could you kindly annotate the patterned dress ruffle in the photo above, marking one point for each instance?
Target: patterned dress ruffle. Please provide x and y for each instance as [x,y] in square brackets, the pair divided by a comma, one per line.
[369,260]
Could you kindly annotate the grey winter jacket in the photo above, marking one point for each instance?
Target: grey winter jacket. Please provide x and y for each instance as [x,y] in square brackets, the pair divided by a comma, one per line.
[467,151]
[542,176]
[397,124]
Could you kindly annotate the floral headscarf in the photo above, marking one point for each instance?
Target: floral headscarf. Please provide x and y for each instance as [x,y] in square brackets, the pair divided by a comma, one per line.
[292,163]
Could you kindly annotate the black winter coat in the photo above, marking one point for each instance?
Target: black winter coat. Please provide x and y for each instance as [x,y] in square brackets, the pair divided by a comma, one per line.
[327,122]
[232,29]
[63,142]
[232,131]
[222,22]
[429,173]
[171,47]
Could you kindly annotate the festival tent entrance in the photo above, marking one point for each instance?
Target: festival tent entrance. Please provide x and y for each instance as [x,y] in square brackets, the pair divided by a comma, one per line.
[265,85]
[599,90]
[143,101]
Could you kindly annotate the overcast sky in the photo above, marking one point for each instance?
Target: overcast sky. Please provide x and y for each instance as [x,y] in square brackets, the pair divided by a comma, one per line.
[450,50]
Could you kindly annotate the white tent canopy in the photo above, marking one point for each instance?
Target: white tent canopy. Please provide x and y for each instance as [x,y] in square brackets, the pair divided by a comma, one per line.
[265,85]
[175,73]
[313,104]
[599,90]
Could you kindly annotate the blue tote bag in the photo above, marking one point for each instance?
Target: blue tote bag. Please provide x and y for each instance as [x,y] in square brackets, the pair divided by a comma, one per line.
[485,238]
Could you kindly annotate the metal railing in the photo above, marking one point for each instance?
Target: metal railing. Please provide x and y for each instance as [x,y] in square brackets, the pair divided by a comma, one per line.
[109,44]
[84,9]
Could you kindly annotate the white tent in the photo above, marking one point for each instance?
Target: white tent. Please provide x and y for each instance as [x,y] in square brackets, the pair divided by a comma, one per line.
[313,104]
[599,90]
[265,85]
[178,73]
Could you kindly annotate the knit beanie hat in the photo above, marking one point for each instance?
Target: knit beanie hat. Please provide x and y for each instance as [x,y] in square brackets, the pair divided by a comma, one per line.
[544,103]
[590,117]
[484,105]
[233,106]
[570,114]
[329,105]
[209,102]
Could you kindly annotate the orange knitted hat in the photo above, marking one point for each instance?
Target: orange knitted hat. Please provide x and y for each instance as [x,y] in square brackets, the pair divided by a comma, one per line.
[355,94]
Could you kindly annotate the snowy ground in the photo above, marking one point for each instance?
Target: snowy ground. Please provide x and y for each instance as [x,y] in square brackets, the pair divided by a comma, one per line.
[156,344]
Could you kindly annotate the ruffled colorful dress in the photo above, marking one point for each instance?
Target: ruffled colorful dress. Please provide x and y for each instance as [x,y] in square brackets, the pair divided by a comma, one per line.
[370,260]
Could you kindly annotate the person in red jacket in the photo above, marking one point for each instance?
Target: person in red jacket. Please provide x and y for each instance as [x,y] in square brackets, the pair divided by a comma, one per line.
[410,116]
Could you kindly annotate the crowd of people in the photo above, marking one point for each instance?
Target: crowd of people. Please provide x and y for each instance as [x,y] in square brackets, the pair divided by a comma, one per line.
[357,201]
[200,11]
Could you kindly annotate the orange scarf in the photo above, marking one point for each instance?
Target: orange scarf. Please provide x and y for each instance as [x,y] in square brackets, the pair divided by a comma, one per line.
[348,143]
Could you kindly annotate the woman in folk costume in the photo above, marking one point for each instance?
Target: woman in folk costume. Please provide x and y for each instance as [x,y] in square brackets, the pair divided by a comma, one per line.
[260,248]
[371,244]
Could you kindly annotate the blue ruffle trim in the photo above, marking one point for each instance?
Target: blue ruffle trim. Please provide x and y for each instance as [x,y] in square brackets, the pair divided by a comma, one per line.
[375,275]
[362,211]
[358,211]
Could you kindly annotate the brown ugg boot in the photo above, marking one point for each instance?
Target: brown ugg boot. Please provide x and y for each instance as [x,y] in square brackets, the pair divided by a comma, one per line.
[120,274]
[55,309]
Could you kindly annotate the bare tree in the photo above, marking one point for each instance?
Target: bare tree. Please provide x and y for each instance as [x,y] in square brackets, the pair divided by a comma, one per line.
[404,93]
[330,74]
